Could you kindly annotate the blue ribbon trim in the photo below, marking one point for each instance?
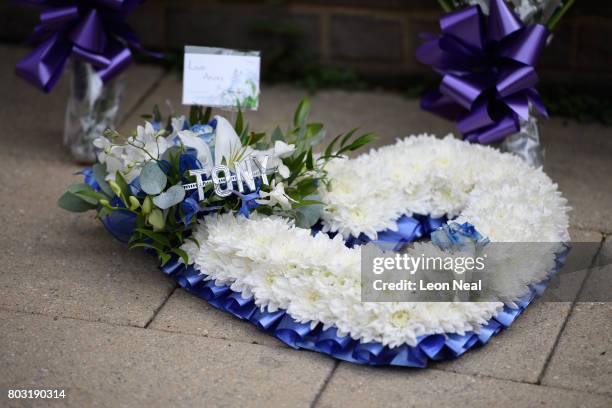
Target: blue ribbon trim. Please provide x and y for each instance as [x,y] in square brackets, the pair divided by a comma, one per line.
[298,335]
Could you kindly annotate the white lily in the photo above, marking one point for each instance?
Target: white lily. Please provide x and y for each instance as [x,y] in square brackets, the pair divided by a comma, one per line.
[228,148]
[276,196]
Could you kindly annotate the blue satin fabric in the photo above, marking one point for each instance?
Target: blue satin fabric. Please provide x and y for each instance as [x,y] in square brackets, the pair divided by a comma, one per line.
[300,335]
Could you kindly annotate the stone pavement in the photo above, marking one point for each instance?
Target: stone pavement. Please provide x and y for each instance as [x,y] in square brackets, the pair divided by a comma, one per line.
[79,311]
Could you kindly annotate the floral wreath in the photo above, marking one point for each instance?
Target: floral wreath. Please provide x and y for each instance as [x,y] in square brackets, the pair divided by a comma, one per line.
[283,251]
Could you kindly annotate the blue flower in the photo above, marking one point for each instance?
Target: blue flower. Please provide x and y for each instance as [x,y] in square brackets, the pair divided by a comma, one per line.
[248,202]
[458,236]
[120,223]
[204,132]
[190,207]
[89,178]
[189,161]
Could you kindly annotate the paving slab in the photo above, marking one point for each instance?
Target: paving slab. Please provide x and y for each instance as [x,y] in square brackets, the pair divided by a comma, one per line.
[358,386]
[109,366]
[186,313]
[33,122]
[59,263]
[582,359]
[520,353]
[578,157]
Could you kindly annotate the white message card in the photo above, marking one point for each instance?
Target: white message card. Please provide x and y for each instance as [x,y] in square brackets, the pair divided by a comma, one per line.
[221,77]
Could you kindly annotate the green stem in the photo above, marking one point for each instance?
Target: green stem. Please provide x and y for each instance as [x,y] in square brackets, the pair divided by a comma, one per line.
[446,6]
[556,17]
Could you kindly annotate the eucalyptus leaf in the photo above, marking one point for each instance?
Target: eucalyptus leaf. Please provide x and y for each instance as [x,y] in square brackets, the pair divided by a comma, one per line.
[172,151]
[71,202]
[152,178]
[170,197]
[80,187]
[308,215]
[86,193]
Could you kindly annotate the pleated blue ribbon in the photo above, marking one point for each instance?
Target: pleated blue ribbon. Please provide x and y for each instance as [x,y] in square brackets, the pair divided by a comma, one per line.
[308,336]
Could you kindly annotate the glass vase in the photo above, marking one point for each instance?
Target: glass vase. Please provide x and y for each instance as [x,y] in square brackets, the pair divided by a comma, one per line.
[526,143]
[92,108]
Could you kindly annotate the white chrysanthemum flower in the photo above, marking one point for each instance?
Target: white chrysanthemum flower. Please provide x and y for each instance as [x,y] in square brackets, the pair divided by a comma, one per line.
[317,279]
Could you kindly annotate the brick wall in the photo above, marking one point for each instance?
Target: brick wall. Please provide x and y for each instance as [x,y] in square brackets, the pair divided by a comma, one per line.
[377,38]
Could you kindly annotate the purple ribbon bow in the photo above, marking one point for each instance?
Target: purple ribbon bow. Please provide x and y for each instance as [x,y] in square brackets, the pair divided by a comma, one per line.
[94,31]
[488,71]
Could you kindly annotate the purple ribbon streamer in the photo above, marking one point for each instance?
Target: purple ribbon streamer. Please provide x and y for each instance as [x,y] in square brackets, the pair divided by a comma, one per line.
[92,31]
[488,71]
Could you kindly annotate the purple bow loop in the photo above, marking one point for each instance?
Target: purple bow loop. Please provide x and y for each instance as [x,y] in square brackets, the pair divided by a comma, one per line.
[488,71]
[465,25]
[60,15]
[92,31]
[502,21]
[89,33]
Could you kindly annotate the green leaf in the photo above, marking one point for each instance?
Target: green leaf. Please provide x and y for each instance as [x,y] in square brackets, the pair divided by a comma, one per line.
[330,147]
[155,236]
[446,5]
[195,114]
[92,197]
[86,193]
[125,188]
[157,219]
[99,171]
[164,257]
[72,202]
[359,142]
[556,17]
[306,187]
[172,152]
[157,117]
[277,134]
[309,160]
[142,245]
[152,179]
[239,125]
[305,203]
[182,254]
[254,138]
[194,240]
[262,146]
[301,113]
[312,129]
[104,211]
[348,136]
[207,115]
[170,197]
[309,213]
